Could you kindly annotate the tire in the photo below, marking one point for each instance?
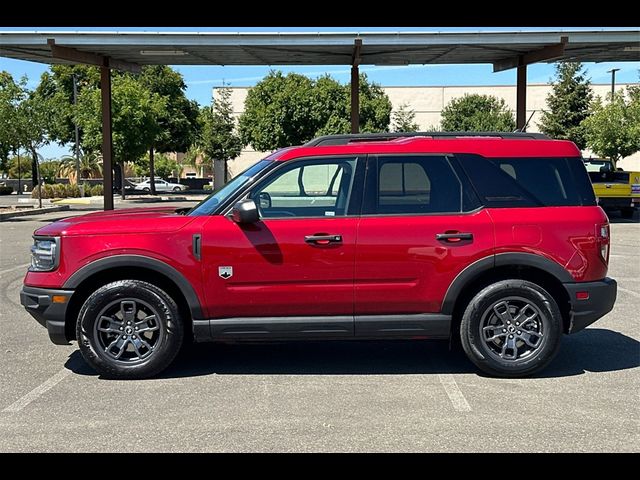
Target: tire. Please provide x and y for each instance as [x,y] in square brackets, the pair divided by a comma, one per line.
[176,189]
[500,349]
[146,189]
[116,349]
[627,212]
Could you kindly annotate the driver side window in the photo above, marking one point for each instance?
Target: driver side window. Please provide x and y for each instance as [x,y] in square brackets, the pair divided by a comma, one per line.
[307,188]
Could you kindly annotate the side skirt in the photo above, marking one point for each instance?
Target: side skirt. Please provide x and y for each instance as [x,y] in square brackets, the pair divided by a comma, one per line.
[426,325]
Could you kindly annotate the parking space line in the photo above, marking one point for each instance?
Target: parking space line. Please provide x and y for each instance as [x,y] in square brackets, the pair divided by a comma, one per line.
[2,272]
[36,392]
[454,393]
[630,292]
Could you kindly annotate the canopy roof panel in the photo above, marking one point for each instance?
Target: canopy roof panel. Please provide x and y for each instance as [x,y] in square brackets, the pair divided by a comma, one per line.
[187,48]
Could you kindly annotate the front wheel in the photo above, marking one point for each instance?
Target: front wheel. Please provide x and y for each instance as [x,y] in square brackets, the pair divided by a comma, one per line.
[176,189]
[512,328]
[129,329]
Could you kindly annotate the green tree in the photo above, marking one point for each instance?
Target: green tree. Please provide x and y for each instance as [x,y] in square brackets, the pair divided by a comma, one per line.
[167,167]
[178,122]
[219,140]
[90,166]
[569,104]
[24,170]
[283,110]
[403,119]
[135,111]
[56,86]
[477,113]
[11,96]
[278,112]
[49,171]
[613,130]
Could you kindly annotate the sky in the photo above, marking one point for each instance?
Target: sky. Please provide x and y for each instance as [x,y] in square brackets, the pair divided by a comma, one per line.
[201,79]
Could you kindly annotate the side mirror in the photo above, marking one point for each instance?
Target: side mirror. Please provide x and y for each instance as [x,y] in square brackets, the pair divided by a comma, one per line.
[245,211]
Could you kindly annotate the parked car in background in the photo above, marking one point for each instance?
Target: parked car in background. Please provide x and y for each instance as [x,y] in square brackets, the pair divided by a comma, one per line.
[161,186]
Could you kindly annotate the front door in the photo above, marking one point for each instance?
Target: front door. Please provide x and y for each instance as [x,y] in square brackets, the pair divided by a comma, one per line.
[414,237]
[298,260]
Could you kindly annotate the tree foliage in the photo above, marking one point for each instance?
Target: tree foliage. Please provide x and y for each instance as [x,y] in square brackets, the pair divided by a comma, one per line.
[219,139]
[477,113]
[569,104]
[403,119]
[134,111]
[613,130]
[283,110]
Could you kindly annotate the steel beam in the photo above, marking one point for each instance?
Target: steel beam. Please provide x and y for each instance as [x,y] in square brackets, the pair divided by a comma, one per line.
[521,96]
[549,52]
[355,86]
[107,140]
[78,56]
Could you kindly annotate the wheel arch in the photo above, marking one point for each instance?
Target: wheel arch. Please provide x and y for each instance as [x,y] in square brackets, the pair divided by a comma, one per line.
[134,267]
[526,266]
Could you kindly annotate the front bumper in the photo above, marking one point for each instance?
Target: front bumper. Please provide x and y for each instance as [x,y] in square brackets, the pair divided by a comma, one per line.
[39,303]
[602,296]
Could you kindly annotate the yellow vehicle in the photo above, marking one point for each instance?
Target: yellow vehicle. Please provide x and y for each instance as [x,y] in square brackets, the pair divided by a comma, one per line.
[614,189]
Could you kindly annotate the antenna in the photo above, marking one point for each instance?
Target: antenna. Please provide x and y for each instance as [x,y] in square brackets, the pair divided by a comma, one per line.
[524,128]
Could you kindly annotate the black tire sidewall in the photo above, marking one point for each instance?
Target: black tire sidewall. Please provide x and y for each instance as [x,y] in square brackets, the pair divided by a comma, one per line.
[164,352]
[473,343]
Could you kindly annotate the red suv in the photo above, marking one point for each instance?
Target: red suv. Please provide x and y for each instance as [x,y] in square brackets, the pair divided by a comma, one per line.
[493,237]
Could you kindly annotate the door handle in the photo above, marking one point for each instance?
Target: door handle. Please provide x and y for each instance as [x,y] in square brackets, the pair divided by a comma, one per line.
[453,237]
[323,239]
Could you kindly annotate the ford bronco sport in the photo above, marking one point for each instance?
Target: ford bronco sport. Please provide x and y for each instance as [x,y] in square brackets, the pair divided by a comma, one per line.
[495,238]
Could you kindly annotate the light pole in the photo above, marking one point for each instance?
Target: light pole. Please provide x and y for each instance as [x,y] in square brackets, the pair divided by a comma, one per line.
[75,123]
[613,81]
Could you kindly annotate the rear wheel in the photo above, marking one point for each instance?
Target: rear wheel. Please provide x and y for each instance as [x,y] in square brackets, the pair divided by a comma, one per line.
[512,328]
[129,329]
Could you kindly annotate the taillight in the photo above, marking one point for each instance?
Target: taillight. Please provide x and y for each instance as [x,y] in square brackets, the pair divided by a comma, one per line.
[602,234]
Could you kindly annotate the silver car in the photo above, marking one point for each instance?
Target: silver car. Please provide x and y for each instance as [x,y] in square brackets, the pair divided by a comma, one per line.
[161,186]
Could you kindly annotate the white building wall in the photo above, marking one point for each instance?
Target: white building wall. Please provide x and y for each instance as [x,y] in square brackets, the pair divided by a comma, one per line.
[428,102]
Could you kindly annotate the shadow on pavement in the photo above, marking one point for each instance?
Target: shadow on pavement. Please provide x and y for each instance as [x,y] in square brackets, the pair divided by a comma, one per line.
[592,350]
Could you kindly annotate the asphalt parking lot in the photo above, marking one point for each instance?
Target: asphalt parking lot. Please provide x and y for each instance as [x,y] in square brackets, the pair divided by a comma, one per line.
[299,397]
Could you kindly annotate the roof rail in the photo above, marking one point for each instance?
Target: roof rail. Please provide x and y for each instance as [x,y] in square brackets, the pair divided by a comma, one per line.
[382,137]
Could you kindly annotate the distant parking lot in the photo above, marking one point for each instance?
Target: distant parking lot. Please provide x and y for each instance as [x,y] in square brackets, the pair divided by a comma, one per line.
[378,396]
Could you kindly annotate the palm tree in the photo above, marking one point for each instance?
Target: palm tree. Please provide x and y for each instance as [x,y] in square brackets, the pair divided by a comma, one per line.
[90,166]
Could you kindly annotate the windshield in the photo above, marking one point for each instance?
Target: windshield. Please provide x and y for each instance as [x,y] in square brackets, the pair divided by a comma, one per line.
[596,165]
[209,204]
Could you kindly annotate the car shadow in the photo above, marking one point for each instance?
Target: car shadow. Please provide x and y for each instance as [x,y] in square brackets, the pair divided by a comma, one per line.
[592,350]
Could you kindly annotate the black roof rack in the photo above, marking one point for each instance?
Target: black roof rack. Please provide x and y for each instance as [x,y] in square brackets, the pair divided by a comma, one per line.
[382,137]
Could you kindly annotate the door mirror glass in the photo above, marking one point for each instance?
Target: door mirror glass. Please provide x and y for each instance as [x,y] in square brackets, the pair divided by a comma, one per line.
[264,199]
[245,211]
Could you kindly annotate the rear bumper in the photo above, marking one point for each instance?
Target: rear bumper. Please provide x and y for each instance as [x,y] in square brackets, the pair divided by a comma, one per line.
[618,202]
[602,296]
[39,303]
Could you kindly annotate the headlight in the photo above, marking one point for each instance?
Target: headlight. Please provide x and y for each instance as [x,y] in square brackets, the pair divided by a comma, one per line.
[45,254]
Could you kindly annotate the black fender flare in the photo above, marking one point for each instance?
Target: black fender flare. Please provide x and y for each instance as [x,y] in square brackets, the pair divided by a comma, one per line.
[116,261]
[500,260]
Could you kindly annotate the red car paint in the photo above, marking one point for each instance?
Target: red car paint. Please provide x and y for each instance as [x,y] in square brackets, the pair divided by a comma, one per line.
[385,264]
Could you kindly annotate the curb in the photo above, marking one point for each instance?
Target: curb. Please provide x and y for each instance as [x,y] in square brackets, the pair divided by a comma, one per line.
[34,211]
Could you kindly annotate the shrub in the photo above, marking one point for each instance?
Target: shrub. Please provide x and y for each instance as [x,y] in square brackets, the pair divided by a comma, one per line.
[58,190]
[6,190]
[97,190]
[207,187]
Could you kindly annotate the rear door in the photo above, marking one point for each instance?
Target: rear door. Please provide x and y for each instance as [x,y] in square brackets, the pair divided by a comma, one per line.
[420,227]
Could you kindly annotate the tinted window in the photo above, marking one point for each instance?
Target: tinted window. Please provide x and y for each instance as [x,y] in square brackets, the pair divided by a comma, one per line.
[528,182]
[308,188]
[414,184]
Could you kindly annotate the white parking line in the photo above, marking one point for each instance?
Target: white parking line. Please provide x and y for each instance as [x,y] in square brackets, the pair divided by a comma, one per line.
[454,393]
[2,272]
[630,292]
[36,392]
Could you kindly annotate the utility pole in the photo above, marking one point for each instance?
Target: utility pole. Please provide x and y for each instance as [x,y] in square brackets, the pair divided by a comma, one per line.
[19,172]
[75,124]
[613,81]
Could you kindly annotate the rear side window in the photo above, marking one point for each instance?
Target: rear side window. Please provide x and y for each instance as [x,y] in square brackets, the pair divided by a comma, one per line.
[413,184]
[528,182]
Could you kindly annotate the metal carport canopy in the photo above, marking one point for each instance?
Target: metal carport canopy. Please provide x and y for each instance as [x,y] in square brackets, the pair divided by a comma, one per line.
[130,50]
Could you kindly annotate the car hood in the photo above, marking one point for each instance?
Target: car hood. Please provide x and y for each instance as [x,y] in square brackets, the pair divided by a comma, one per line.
[126,221]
